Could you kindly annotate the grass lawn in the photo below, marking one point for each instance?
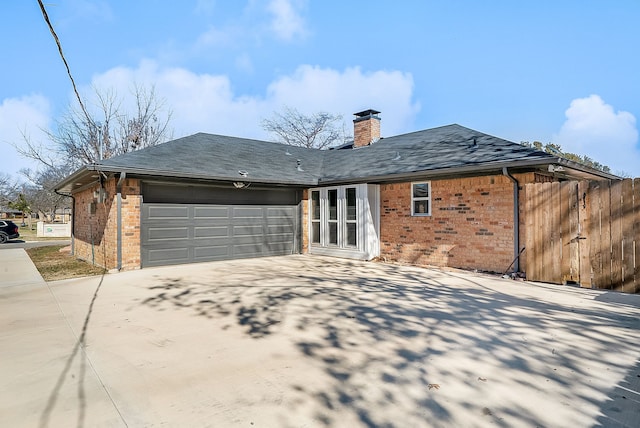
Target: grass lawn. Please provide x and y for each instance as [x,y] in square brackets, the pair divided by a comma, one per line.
[55,265]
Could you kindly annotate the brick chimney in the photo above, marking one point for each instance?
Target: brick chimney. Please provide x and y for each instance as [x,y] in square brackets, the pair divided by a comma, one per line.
[366,128]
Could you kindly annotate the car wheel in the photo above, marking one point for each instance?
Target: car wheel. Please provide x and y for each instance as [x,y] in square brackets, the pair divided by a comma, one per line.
[3,238]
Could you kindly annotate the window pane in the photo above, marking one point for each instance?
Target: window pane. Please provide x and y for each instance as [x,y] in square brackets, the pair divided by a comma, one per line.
[333,204]
[421,207]
[315,205]
[351,234]
[421,190]
[333,233]
[351,203]
[315,232]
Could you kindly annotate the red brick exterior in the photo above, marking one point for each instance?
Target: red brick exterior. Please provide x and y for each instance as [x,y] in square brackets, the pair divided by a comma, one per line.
[305,221]
[471,225]
[365,131]
[95,230]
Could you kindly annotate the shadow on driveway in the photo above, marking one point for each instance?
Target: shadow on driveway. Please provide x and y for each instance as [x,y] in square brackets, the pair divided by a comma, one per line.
[406,346]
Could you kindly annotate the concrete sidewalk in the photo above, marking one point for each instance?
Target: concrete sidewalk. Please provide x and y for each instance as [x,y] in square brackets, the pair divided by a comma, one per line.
[18,269]
[312,341]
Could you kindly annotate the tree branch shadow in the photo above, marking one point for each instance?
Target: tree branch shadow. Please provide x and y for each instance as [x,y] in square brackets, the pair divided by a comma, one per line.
[381,333]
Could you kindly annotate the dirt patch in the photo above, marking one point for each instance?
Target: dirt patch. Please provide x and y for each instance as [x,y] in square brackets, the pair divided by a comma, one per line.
[55,263]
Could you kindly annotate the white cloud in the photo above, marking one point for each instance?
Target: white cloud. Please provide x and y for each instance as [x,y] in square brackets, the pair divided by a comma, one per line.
[287,22]
[310,89]
[208,103]
[205,7]
[29,115]
[595,129]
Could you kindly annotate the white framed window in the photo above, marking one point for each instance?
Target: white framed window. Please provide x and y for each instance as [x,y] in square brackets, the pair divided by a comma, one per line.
[421,198]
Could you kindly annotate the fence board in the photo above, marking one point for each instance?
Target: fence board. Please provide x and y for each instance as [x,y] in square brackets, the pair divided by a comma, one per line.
[627,219]
[547,257]
[537,234]
[555,233]
[596,233]
[528,265]
[616,235]
[636,234]
[584,243]
[571,258]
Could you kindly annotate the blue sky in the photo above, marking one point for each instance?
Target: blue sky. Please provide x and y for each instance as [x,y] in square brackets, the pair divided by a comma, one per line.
[553,71]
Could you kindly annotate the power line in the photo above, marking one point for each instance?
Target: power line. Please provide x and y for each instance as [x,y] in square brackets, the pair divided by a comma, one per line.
[64,60]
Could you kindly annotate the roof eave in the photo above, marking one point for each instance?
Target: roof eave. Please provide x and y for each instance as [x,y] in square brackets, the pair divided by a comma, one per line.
[587,170]
[442,172]
[67,184]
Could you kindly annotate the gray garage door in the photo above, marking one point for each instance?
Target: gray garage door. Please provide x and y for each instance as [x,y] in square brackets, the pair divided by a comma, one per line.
[187,233]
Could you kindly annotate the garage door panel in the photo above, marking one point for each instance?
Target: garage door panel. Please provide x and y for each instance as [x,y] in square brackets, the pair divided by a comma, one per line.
[165,233]
[247,230]
[275,248]
[213,252]
[279,238]
[167,213]
[278,228]
[249,249]
[174,233]
[168,256]
[279,212]
[211,232]
[248,213]
[205,213]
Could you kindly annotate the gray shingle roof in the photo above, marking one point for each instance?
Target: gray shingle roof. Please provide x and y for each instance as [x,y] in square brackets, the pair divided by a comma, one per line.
[221,157]
[447,149]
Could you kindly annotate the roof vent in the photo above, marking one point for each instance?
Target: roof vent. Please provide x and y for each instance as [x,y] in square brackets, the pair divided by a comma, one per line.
[243,173]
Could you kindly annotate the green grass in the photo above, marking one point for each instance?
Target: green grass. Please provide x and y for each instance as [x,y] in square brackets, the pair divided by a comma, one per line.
[55,265]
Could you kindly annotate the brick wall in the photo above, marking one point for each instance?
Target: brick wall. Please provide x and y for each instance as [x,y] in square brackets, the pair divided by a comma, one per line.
[305,221]
[471,225]
[131,219]
[95,234]
[364,131]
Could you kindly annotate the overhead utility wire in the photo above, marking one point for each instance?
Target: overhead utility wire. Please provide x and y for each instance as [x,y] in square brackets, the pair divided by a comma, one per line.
[64,60]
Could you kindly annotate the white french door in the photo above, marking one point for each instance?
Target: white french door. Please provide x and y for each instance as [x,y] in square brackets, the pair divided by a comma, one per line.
[334,217]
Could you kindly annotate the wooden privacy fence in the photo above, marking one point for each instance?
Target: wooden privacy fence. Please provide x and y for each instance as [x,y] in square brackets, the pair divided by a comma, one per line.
[584,232]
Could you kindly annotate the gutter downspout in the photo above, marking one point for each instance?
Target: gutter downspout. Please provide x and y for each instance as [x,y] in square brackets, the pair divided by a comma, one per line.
[123,175]
[516,219]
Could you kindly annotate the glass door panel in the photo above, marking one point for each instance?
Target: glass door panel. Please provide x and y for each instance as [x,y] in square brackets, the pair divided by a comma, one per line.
[351,205]
[332,205]
[315,217]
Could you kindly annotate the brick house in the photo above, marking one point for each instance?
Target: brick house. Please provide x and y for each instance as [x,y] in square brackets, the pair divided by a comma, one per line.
[447,196]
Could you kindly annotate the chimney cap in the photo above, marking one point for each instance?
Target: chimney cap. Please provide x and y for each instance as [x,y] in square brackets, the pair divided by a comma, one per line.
[366,113]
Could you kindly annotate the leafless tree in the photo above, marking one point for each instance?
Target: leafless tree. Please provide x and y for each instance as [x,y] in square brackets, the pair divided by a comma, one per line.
[39,193]
[79,139]
[320,130]
[7,189]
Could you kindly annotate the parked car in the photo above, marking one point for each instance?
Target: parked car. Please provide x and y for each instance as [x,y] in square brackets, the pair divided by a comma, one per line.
[8,230]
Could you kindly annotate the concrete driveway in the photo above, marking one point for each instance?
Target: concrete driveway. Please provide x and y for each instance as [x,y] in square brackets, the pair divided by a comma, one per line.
[303,341]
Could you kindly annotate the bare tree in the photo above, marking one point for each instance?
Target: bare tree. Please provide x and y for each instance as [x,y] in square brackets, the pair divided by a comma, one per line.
[320,130]
[7,190]
[79,139]
[39,193]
